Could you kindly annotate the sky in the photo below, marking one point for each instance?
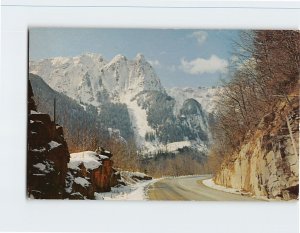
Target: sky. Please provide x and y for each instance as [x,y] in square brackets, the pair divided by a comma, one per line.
[180,57]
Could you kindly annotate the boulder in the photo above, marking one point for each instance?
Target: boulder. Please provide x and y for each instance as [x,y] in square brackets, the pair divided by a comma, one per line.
[95,167]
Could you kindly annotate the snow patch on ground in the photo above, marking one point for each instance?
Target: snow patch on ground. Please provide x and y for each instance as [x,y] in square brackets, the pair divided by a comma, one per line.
[134,192]
[135,189]
[81,181]
[211,184]
[77,193]
[90,159]
[130,178]
[45,167]
[69,182]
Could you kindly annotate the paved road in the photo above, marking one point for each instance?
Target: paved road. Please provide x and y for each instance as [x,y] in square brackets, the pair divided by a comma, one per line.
[188,189]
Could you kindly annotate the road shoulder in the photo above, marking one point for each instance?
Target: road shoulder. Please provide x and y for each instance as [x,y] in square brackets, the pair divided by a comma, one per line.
[211,184]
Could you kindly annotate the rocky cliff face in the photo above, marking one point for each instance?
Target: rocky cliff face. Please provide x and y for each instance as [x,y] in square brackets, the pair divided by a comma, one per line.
[207,97]
[193,116]
[268,163]
[47,155]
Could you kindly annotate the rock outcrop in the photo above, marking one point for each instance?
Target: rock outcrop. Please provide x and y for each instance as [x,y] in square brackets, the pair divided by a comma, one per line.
[47,155]
[52,173]
[91,172]
[268,163]
[129,178]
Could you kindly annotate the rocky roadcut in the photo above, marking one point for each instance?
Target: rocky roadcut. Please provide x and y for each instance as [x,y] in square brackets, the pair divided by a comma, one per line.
[268,164]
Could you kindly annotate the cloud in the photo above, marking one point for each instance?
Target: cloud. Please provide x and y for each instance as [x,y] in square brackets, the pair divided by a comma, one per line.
[201,65]
[154,62]
[201,36]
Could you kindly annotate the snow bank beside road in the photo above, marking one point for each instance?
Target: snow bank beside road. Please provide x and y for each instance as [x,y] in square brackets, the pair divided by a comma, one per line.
[211,184]
[135,187]
[134,192]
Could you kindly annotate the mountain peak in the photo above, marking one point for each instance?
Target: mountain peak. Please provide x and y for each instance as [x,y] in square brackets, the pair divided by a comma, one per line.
[119,57]
[140,57]
[119,75]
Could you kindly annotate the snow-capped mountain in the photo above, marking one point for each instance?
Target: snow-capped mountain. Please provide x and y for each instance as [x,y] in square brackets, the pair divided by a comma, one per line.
[91,79]
[204,95]
[160,120]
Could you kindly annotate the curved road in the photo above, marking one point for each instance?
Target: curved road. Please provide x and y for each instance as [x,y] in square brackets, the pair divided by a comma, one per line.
[189,189]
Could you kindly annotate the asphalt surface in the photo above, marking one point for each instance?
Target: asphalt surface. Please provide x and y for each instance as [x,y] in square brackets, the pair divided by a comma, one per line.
[190,189]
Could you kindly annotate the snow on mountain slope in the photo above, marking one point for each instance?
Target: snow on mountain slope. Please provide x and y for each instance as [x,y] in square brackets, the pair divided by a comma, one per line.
[174,146]
[138,118]
[143,77]
[194,115]
[205,96]
[141,126]
[76,77]
[88,77]
[91,79]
